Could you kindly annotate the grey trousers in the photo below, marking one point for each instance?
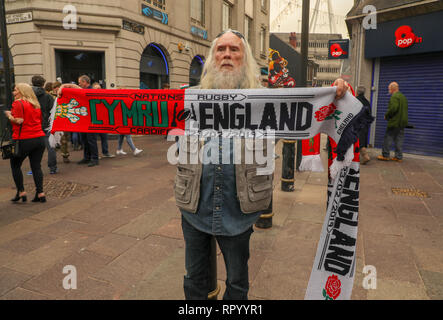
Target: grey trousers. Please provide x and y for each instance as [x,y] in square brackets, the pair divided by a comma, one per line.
[393,136]
[52,154]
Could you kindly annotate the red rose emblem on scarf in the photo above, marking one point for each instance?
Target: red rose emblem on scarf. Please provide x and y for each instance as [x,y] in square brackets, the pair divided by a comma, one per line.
[333,288]
[325,112]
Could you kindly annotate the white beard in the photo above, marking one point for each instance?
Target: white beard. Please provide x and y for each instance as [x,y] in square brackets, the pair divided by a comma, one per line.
[229,79]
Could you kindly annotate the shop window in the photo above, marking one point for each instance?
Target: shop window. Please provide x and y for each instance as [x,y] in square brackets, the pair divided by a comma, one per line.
[198,12]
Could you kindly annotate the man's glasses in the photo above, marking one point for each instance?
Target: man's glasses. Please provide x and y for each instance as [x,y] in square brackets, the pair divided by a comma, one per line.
[237,33]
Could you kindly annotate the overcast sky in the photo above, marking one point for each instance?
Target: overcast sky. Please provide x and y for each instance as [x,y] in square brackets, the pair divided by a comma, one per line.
[291,19]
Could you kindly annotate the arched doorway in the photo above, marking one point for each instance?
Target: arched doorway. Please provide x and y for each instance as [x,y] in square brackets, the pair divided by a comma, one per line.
[196,70]
[154,67]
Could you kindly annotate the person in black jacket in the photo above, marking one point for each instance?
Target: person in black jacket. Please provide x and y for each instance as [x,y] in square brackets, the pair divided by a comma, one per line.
[363,135]
[46,102]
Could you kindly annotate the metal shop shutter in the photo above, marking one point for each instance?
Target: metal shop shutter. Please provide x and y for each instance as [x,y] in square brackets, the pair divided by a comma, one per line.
[421,80]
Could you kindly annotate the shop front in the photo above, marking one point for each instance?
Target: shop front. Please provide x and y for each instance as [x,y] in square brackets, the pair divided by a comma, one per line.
[409,51]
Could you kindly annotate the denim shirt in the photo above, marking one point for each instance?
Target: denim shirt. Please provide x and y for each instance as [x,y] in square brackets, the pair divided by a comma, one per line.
[219,210]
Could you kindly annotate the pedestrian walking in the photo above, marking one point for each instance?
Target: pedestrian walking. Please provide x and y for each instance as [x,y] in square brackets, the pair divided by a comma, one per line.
[26,120]
[363,135]
[103,136]
[90,148]
[66,137]
[397,117]
[46,102]
[135,150]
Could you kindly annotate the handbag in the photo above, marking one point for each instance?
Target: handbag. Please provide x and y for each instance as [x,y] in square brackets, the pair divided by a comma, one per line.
[12,148]
[9,150]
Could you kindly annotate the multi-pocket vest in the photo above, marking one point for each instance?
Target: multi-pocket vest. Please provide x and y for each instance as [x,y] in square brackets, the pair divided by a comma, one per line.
[254,189]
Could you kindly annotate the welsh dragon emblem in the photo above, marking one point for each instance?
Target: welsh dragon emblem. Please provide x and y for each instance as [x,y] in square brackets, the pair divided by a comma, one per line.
[71,111]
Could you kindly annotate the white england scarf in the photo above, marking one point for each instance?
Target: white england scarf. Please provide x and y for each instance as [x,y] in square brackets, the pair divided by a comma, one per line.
[289,113]
[332,275]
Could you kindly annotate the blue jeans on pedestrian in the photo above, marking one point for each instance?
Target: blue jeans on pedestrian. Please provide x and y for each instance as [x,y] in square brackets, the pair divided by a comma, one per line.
[128,140]
[393,136]
[76,139]
[235,250]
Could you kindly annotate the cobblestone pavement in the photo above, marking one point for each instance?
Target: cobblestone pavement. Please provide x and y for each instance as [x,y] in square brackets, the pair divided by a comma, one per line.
[118,225]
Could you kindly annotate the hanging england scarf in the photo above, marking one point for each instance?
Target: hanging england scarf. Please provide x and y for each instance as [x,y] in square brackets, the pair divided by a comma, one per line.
[290,113]
[332,275]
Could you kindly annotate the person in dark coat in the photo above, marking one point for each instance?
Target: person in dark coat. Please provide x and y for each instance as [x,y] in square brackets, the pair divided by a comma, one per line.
[46,103]
[363,135]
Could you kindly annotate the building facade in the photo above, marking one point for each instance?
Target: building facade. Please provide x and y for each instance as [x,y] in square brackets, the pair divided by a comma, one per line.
[405,47]
[127,43]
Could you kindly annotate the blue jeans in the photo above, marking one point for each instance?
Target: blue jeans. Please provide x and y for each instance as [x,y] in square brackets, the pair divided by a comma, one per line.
[128,140]
[235,252]
[396,136]
[76,139]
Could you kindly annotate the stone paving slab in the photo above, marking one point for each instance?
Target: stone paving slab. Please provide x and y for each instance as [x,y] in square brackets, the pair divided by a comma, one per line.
[388,289]
[22,294]
[41,259]
[9,279]
[434,284]
[396,262]
[50,282]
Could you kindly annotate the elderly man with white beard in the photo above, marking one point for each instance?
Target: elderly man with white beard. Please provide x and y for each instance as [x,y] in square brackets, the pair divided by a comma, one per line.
[219,199]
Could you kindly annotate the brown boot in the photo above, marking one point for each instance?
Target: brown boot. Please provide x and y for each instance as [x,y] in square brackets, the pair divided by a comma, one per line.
[364,156]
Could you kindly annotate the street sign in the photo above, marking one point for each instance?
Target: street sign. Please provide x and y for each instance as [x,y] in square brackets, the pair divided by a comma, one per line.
[18,17]
[133,27]
[338,49]
[155,14]
[199,32]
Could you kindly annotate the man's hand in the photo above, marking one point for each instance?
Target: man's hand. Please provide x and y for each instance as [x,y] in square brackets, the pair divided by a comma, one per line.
[342,87]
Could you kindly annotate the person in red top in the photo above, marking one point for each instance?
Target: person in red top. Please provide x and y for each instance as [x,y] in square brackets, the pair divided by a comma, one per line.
[25,117]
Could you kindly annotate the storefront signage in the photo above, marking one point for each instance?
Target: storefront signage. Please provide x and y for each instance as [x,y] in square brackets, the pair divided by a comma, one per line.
[18,17]
[411,35]
[338,49]
[199,32]
[133,27]
[405,37]
[155,14]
